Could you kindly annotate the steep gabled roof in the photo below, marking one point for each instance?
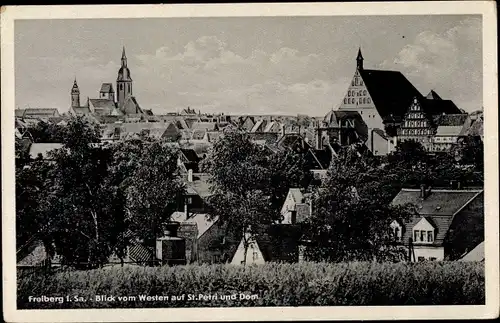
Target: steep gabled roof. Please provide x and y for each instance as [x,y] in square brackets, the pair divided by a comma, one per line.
[390,91]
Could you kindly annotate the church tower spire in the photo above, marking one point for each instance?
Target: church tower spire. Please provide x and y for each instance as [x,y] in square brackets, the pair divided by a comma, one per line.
[123,82]
[75,95]
[124,58]
[359,60]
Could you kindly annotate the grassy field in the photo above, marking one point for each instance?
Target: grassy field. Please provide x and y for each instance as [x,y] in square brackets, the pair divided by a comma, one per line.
[304,284]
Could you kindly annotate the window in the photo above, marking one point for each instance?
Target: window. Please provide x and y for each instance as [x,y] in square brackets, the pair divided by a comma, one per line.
[415,236]
[432,258]
[421,259]
[369,100]
[255,255]
[345,101]
[430,236]
[360,112]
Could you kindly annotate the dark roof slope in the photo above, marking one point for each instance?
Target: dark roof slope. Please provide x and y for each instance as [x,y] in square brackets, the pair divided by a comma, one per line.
[390,91]
[434,107]
[451,119]
[190,155]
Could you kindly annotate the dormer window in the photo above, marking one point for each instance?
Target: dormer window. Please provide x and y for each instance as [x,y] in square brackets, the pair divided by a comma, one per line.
[424,232]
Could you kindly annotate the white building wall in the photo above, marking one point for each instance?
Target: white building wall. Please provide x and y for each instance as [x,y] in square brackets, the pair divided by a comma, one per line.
[429,252]
[254,255]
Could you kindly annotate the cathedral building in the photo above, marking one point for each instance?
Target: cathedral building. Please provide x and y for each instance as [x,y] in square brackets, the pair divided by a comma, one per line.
[124,104]
[383,98]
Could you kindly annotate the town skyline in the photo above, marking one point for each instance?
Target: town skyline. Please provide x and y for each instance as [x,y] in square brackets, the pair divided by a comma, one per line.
[282,67]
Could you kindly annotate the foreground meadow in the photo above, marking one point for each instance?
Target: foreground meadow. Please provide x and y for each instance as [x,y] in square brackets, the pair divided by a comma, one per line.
[303,284]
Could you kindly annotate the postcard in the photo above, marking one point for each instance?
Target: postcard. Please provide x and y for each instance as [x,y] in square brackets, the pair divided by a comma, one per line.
[235,162]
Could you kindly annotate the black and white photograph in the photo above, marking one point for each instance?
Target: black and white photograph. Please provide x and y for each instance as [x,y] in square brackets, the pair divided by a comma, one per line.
[339,157]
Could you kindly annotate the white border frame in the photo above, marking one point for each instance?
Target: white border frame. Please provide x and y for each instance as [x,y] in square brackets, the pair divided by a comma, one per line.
[485,8]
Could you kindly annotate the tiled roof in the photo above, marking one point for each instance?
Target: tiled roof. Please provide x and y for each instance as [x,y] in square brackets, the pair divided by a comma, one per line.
[81,110]
[41,112]
[451,119]
[390,91]
[107,88]
[140,253]
[442,224]
[439,107]
[43,148]
[438,202]
[103,104]
[136,127]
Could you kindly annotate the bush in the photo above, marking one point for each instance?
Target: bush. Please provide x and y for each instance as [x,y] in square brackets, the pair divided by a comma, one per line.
[303,284]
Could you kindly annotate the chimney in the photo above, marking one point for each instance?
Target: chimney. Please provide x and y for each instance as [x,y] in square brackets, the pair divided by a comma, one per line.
[190,175]
[319,140]
[422,191]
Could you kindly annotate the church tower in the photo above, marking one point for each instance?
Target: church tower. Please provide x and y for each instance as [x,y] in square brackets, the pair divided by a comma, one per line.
[359,60]
[123,82]
[75,96]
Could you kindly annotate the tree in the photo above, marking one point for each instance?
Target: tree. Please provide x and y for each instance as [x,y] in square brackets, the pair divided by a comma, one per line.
[240,185]
[347,223]
[78,197]
[32,219]
[153,192]
[287,169]
[47,132]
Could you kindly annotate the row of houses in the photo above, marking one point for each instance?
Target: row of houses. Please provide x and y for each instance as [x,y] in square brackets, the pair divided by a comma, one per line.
[447,224]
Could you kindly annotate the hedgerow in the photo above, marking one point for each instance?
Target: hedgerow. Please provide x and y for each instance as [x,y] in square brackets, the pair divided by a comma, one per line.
[272,284]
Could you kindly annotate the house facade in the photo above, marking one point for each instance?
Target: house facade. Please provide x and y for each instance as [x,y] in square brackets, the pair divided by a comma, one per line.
[446,223]
[435,123]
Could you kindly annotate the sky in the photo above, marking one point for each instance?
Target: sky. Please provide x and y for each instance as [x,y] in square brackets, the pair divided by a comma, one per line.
[250,65]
